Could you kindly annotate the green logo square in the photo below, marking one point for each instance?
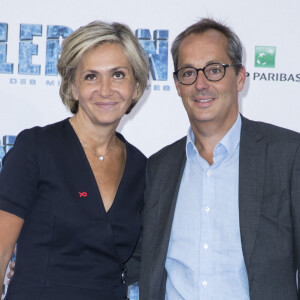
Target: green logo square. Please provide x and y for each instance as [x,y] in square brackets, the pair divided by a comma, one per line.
[265,56]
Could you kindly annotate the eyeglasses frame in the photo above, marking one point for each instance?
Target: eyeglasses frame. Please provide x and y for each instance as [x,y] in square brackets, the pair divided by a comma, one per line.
[203,70]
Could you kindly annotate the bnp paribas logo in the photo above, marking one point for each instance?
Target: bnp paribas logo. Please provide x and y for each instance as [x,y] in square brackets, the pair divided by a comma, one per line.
[265,56]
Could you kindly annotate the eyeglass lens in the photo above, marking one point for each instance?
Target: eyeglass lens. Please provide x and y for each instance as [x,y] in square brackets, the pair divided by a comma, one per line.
[213,72]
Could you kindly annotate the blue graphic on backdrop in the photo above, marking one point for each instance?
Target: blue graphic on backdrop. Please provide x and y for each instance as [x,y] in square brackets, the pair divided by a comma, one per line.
[157,51]
[4,67]
[27,49]
[156,47]
[53,46]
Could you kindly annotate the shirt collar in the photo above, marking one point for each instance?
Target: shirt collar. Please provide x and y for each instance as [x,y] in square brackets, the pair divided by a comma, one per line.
[232,138]
[191,150]
[230,141]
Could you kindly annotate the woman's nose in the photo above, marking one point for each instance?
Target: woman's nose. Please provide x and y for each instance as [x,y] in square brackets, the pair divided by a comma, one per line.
[105,88]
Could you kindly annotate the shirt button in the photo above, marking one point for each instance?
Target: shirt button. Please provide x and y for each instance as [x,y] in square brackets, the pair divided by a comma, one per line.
[207,209]
[205,246]
[208,173]
[204,283]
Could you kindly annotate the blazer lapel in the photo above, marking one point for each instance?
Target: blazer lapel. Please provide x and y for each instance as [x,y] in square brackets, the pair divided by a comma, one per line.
[251,182]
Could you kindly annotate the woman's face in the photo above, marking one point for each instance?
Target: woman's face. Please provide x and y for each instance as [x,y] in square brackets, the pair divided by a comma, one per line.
[104,85]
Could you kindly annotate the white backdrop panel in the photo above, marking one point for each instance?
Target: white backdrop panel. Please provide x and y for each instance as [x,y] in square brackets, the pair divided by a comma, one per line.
[159,118]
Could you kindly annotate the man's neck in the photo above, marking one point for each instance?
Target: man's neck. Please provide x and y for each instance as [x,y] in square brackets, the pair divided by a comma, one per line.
[208,135]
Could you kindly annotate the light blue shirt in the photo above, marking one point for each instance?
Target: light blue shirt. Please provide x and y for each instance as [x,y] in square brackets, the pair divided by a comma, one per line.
[205,259]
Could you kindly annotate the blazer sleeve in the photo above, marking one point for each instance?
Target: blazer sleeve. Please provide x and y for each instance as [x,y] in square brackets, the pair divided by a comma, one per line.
[295,196]
[133,265]
[19,175]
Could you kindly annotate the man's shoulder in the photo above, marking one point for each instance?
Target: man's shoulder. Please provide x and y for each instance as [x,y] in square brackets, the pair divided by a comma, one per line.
[269,131]
[170,152]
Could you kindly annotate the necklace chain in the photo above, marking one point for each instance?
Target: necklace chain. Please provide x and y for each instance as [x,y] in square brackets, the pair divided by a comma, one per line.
[101,156]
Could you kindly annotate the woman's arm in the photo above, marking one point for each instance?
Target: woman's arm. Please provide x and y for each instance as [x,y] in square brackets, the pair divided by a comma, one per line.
[10,227]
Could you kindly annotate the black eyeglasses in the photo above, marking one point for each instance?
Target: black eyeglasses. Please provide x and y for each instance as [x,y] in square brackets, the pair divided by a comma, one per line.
[212,72]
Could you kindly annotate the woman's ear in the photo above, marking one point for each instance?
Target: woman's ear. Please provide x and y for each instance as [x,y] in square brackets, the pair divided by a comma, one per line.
[75,92]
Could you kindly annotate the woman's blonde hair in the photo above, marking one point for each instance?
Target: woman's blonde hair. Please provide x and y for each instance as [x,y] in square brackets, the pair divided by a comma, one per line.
[87,37]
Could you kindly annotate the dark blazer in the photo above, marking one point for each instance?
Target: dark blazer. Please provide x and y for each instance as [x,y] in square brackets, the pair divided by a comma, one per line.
[269,211]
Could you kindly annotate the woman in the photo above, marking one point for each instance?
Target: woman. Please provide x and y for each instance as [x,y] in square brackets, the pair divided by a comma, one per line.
[73,190]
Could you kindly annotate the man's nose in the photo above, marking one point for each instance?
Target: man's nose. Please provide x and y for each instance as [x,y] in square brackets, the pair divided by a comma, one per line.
[201,81]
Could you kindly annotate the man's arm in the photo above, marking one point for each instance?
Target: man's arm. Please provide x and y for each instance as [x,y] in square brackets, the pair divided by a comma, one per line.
[295,195]
[133,264]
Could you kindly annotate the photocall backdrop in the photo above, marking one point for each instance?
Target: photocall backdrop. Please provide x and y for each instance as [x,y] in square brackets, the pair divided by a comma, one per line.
[31,33]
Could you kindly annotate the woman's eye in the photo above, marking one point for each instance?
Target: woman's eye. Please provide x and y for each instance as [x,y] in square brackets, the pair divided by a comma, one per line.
[119,75]
[90,77]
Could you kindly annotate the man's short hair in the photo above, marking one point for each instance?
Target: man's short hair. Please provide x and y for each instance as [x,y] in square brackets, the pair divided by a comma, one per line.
[234,49]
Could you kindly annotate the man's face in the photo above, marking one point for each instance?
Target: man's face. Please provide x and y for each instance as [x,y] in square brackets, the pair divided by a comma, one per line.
[208,102]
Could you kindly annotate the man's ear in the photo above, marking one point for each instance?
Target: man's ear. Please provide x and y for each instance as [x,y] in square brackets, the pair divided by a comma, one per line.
[241,78]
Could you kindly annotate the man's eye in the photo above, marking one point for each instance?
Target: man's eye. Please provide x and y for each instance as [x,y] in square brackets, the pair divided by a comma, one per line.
[90,77]
[213,71]
[119,75]
[188,73]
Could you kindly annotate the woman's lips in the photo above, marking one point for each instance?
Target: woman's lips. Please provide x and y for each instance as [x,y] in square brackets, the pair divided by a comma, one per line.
[106,105]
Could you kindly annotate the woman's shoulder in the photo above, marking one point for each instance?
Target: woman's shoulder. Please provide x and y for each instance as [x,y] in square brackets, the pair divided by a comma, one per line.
[47,128]
[37,131]
[32,138]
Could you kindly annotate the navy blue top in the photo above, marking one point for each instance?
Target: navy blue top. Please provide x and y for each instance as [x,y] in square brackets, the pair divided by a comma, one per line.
[69,246]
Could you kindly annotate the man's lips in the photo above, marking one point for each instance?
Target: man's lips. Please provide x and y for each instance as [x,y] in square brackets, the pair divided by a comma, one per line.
[203,100]
[206,99]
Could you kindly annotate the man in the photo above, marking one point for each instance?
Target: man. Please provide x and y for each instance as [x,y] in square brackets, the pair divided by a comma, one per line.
[222,205]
